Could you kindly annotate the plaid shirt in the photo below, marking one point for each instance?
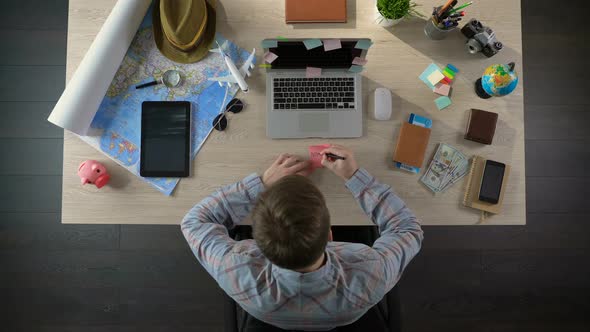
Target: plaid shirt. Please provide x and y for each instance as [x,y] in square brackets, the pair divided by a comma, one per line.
[354,278]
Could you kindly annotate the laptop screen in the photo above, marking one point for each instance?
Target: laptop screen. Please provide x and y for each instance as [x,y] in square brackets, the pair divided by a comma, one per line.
[294,55]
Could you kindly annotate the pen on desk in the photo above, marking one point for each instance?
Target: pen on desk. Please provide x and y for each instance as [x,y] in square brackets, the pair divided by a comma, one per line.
[333,156]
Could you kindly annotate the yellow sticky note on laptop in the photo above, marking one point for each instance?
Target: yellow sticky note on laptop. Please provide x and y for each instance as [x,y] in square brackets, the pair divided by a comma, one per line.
[435,77]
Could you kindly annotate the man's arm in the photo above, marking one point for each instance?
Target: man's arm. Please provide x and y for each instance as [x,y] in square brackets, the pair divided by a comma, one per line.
[205,226]
[400,232]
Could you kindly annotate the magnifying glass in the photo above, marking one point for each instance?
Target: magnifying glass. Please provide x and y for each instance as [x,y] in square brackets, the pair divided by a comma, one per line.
[171,79]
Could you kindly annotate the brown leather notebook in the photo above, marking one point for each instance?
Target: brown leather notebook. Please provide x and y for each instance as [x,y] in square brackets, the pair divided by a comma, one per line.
[315,11]
[411,145]
[481,126]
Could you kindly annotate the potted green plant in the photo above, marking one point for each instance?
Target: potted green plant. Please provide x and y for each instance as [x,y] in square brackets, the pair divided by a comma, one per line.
[391,12]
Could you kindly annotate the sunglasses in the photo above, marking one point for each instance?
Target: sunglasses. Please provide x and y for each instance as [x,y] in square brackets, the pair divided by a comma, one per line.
[234,106]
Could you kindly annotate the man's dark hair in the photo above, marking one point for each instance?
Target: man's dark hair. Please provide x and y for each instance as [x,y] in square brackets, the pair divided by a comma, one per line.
[291,223]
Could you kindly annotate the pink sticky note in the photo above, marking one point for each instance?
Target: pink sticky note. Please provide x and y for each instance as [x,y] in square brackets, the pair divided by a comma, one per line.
[359,61]
[270,57]
[442,89]
[312,72]
[314,155]
[332,44]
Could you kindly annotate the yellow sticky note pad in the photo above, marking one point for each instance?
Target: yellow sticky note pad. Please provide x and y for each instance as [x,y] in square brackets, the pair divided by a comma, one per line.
[435,77]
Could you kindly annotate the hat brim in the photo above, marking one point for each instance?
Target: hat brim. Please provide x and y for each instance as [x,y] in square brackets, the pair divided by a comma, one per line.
[193,55]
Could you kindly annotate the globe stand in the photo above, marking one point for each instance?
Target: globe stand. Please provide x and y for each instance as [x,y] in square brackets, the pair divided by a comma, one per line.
[481,93]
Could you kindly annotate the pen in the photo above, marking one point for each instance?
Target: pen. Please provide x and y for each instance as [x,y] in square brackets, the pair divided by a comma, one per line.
[447,12]
[461,7]
[333,156]
[445,7]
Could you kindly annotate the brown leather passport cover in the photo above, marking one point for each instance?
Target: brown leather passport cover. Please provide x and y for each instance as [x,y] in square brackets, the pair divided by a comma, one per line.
[411,145]
[315,11]
[482,126]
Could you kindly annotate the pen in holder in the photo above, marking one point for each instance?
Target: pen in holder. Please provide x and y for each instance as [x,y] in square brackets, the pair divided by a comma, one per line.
[435,28]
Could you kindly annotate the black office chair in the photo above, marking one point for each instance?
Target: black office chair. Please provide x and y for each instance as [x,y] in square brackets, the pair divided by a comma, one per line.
[389,309]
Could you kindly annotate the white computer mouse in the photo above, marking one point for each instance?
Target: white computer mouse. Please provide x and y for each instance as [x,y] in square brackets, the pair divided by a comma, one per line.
[382,104]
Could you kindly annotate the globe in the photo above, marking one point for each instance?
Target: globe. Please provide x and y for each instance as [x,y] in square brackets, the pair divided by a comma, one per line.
[497,81]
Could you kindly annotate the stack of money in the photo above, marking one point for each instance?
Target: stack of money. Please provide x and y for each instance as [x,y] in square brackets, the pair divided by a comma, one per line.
[447,167]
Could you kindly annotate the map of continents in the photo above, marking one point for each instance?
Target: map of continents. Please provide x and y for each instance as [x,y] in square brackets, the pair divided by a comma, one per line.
[117,122]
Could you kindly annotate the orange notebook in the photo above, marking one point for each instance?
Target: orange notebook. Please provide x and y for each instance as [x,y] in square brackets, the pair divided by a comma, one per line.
[315,11]
[411,145]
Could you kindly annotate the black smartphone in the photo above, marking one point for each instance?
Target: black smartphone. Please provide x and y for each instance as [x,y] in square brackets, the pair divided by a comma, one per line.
[165,139]
[491,182]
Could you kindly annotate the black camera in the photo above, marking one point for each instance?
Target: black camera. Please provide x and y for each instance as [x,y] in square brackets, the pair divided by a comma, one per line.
[480,39]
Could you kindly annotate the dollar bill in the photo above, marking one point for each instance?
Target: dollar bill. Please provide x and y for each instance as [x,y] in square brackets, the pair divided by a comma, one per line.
[447,167]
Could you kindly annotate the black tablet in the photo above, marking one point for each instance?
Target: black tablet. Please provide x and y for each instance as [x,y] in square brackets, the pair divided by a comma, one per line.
[165,139]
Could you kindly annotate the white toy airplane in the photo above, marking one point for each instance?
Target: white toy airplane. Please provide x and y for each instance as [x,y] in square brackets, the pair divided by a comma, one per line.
[236,76]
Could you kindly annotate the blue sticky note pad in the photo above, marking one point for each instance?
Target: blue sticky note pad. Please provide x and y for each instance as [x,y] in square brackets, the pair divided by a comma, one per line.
[420,121]
[363,44]
[453,68]
[424,76]
[312,43]
[269,43]
[355,68]
[442,102]
[408,168]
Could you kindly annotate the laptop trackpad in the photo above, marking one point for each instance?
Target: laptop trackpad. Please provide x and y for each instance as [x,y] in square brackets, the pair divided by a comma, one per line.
[314,123]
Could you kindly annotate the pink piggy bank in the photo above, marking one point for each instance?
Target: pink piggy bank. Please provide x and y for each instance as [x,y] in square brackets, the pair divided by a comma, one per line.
[91,171]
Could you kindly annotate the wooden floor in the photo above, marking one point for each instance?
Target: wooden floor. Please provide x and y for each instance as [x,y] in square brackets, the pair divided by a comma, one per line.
[63,278]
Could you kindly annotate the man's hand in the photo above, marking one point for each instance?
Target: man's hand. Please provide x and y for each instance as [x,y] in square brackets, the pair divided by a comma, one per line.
[285,164]
[343,168]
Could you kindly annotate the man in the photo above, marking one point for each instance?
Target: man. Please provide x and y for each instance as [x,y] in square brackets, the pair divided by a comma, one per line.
[292,275]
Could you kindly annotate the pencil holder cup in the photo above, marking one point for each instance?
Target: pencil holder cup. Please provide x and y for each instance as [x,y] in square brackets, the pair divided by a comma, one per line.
[432,31]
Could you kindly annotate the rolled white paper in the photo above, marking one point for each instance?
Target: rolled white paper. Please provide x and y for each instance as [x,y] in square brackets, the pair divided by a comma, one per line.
[80,100]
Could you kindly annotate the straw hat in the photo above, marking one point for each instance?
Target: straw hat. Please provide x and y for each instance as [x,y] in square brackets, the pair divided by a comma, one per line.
[184,29]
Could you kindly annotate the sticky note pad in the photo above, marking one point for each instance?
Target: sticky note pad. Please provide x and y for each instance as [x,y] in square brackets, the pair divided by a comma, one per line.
[312,43]
[449,73]
[453,68]
[282,38]
[312,72]
[332,44]
[442,102]
[314,155]
[424,76]
[269,43]
[359,61]
[270,57]
[363,44]
[435,77]
[442,89]
[355,69]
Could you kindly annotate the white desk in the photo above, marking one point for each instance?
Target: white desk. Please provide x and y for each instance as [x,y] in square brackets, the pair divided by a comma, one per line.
[398,56]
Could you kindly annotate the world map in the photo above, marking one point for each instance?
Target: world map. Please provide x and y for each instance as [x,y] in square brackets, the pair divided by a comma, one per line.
[116,126]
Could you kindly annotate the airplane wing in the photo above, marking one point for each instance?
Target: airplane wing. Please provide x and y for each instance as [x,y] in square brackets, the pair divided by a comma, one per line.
[245,69]
[224,79]
[224,47]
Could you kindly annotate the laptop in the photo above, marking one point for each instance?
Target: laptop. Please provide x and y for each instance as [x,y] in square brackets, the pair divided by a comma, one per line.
[329,106]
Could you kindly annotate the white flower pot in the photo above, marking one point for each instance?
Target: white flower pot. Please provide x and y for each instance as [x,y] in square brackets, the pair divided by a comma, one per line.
[385,22]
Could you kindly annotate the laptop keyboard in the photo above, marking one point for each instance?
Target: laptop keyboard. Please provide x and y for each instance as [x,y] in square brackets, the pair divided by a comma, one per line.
[322,93]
